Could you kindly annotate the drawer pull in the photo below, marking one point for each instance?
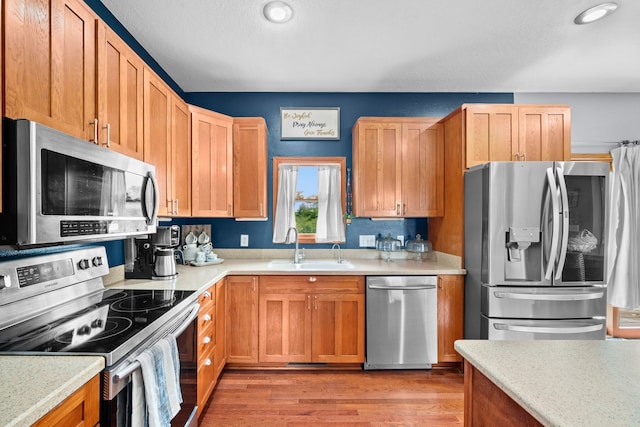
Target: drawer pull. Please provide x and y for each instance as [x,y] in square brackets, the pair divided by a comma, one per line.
[206,294]
[206,340]
[208,362]
[312,279]
[206,317]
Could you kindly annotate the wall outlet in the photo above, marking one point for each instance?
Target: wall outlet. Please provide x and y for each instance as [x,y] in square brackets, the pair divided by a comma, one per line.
[244,240]
[367,241]
[401,238]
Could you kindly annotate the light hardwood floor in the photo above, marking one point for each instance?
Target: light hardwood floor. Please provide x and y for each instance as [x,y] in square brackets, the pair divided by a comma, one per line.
[337,398]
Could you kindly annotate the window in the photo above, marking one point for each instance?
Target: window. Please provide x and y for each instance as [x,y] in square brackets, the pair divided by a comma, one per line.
[306,200]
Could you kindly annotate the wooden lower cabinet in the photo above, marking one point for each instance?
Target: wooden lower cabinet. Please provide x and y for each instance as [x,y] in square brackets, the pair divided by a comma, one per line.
[450,316]
[242,319]
[206,341]
[220,351]
[82,408]
[311,319]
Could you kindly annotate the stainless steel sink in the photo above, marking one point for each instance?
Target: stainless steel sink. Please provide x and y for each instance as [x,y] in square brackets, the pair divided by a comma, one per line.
[310,265]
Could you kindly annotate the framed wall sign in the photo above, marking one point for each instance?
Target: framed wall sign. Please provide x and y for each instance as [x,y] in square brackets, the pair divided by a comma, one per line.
[310,123]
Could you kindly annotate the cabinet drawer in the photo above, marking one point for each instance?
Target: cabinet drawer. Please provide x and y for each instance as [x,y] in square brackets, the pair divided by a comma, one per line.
[206,381]
[312,283]
[207,298]
[206,342]
[206,319]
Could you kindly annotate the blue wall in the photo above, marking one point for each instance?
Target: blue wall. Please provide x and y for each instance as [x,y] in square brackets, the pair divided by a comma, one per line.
[226,232]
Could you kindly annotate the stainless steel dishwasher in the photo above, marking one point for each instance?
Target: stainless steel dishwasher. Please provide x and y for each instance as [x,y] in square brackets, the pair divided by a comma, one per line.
[402,320]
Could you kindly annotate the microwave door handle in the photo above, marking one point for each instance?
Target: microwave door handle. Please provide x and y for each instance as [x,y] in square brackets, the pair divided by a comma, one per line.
[553,253]
[151,218]
[565,222]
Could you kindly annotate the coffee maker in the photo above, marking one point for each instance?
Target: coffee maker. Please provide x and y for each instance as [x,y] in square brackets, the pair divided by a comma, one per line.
[152,256]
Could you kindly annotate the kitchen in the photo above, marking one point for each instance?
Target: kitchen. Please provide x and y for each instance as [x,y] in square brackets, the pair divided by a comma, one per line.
[226,232]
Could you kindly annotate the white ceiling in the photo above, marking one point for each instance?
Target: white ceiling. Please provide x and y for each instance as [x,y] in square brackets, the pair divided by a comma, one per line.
[389,45]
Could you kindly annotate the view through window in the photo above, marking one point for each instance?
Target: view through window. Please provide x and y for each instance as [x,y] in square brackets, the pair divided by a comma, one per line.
[306,203]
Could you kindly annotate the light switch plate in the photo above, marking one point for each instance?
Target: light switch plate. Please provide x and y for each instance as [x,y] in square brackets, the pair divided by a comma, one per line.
[367,241]
[244,240]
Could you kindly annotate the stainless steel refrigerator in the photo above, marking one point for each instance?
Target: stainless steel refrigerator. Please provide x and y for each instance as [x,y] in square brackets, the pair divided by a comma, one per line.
[535,250]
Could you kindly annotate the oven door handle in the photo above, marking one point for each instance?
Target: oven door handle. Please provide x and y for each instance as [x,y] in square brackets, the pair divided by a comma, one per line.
[130,368]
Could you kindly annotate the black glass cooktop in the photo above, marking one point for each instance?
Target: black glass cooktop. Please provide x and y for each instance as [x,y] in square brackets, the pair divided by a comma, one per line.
[97,324]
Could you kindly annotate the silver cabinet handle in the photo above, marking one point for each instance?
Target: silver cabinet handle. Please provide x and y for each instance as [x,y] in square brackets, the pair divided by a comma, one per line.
[208,362]
[108,128]
[95,130]
[206,317]
[206,340]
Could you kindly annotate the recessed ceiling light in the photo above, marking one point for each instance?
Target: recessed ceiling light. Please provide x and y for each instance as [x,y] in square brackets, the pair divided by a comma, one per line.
[278,12]
[596,12]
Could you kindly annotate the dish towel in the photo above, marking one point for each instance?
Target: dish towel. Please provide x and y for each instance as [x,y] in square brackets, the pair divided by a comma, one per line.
[156,395]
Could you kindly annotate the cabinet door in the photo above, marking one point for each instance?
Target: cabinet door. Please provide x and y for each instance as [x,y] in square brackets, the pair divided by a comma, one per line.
[544,133]
[242,319]
[82,408]
[120,95]
[250,168]
[49,60]
[337,328]
[157,135]
[285,325]
[377,169]
[491,133]
[422,169]
[212,174]
[180,158]
[220,351]
[450,316]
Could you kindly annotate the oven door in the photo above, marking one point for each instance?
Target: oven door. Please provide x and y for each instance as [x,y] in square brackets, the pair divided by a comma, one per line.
[115,408]
[68,190]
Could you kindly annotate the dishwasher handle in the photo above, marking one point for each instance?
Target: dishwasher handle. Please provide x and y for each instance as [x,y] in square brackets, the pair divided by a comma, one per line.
[401,288]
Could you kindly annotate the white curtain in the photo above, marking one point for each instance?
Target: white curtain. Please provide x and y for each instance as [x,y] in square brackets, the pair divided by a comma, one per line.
[624,229]
[285,207]
[329,227]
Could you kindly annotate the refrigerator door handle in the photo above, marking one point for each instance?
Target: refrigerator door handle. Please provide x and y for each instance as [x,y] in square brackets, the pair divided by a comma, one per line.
[555,204]
[549,297]
[548,330]
[565,222]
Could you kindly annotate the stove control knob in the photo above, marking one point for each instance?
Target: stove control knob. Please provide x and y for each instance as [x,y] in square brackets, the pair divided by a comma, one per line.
[5,281]
[97,261]
[83,264]
[84,330]
[98,323]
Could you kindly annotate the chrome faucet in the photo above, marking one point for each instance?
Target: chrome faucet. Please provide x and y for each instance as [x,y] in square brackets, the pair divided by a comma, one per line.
[297,256]
[340,258]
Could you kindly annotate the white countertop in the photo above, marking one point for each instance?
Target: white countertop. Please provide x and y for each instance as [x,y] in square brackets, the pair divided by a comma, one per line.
[200,278]
[564,383]
[30,386]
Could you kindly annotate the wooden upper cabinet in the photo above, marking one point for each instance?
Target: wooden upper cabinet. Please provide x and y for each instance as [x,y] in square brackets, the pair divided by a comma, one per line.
[50,64]
[120,94]
[398,166]
[544,132]
[513,132]
[249,167]
[422,169]
[377,156]
[157,136]
[491,133]
[180,158]
[212,171]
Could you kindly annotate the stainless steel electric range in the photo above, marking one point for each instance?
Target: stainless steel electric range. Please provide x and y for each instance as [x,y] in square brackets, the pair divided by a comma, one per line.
[57,304]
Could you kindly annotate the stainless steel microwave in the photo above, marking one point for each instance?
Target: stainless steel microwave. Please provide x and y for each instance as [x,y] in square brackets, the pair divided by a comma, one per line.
[60,189]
